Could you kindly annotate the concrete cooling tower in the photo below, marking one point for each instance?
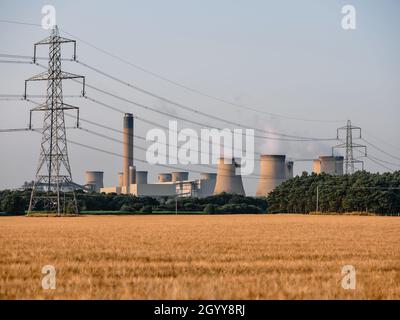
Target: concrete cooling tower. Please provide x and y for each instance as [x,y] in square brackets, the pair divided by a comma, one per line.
[208,176]
[316,166]
[273,173]
[128,149]
[141,177]
[339,165]
[289,170]
[227,180]
[328,164]
[95,180]
[164,177]
[180,176]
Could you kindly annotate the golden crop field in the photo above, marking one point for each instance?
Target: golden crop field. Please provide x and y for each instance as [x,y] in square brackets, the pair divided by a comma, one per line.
[200,257]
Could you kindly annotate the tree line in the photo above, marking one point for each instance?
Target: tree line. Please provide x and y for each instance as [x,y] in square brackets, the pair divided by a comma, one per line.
[17,202]
[360,192]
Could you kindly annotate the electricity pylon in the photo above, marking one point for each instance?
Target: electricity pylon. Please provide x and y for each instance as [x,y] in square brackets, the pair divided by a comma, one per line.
[53,174]
[350,146]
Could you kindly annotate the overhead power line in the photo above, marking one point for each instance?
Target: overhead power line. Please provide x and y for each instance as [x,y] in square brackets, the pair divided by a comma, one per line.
[379,163]
[397,165]
[137,118]
[140,160]
[16,61]
[159,125]
[384,141]
[201,124]
[198,123]
[188,108]
[135,145]
[175,83]
[380,149]
[374,160]
[240,106]
[166,114]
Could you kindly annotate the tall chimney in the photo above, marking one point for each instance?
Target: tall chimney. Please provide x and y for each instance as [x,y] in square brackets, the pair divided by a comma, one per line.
[120,179]
[128,148]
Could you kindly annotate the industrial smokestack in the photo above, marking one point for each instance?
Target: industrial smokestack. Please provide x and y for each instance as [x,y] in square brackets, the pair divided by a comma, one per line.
[95,180]
[120,179]
[164,177]
[141,177]
[128,148]
[179,176]
[272,173]
[227,180]
[132,175]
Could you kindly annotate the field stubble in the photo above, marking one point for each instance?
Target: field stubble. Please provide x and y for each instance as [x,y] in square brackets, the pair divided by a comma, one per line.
[200,257]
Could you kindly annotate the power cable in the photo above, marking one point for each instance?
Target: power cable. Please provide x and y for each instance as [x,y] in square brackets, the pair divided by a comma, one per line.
[163,78]
[185,107]
[379,149]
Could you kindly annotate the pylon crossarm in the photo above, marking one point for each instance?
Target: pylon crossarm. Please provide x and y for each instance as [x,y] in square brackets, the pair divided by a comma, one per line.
[39,77]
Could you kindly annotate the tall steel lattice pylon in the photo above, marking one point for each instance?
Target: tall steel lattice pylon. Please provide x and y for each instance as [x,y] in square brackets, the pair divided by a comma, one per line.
[53,189]
[350,146]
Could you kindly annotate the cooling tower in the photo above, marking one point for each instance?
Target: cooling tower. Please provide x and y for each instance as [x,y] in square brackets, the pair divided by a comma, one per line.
[317,166]
[339,165]
[120,179]
[227,180]
[180,176]
[164,177]
[128,148]
[329,165]
[141,177]
[132,175]
[272,173]
[208,176]
[95,179]
[289,170]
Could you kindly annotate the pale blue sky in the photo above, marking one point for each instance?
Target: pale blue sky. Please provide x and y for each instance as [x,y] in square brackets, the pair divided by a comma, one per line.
[286,57]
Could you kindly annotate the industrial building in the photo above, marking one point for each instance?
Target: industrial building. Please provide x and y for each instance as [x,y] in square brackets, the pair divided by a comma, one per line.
[136,183]
[274,170]
[328,164]
[200,188]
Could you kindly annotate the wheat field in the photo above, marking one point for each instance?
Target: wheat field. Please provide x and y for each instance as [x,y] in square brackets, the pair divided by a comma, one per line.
[200,257]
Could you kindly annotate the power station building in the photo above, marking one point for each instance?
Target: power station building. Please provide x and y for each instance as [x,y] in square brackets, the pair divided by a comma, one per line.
[328,164]
[274,169]
[136,183]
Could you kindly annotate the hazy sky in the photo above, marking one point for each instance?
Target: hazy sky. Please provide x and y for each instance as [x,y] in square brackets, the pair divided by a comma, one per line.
[285,57]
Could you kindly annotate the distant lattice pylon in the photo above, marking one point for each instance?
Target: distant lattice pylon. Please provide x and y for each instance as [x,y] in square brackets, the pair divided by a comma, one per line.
[349,146]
